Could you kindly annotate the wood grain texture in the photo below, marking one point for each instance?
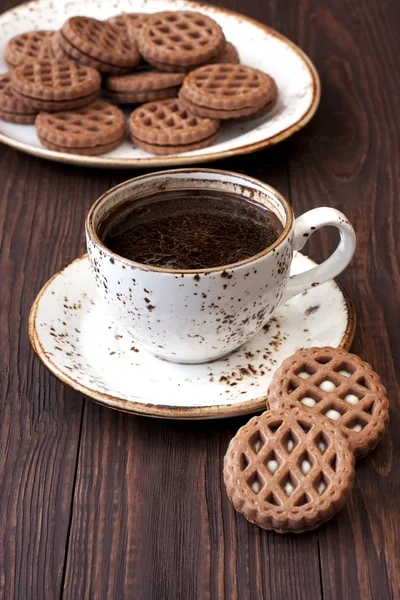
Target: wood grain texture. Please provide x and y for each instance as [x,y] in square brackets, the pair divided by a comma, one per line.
[99,504]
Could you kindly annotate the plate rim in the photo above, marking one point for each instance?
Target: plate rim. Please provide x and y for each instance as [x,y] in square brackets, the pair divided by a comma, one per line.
[159,410]
[157,161]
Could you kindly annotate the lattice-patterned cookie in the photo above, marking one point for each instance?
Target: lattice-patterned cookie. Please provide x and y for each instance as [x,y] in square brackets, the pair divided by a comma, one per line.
[228,87]
[164,127]
[289,470]
[181,38]
[229,55]
[339,385]
[94,129]
[12,108]
[129,22]
[98,44]
[62,50]
[32,45]
[143,86]
[55,80]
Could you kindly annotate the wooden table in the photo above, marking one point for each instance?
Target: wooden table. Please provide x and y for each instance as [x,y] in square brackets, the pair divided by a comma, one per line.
[99,504]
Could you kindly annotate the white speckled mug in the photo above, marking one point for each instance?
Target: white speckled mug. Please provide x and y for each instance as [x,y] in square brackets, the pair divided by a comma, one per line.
[198,316]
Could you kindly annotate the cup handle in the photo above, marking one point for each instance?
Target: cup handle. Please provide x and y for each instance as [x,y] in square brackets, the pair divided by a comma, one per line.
[304,227]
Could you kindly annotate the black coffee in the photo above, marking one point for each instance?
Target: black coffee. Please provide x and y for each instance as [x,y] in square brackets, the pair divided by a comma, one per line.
[189,229]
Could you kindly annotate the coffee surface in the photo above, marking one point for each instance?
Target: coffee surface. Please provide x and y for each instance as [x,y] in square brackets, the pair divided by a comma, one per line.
[189,229]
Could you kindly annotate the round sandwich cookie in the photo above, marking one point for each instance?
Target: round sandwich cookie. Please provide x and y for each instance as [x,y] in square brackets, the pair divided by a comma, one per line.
[289,470]
[143,86]
[180,39]
[229,55]
[98,44]
[32,45]
[165,127]
[129,23]
[55,85]
[90,130]
[12,108]
[338,385]
[228,91]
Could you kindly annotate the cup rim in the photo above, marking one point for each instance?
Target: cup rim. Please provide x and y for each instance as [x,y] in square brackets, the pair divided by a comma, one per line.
[168,173]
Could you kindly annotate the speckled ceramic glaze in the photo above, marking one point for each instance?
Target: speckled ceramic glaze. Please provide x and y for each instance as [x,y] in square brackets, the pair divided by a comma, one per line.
[199,316]
[79,341]
[259,46]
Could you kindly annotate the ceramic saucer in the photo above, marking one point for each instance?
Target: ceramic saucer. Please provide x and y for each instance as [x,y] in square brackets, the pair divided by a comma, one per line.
[77,340]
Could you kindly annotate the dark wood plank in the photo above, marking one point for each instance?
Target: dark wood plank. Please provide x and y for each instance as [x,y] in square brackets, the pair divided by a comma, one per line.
[42,211]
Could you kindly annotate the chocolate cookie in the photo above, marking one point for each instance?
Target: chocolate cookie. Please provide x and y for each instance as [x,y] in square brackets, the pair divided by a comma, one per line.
[179,39]
[32,45]
[98,44]
[227,91]
[94,129]
[289,470]
[339,385]
[228,55]
[164,127]
[55,85]
[143,86]
[129,22]
[12,108]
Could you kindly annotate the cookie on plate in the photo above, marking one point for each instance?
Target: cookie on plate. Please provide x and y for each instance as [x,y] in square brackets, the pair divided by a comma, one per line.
[289,470]
[32,45]
[143,86]
[180,40]
[55,85]
[228,91]
[165,127]
[90,130]
[129,23]
[97,44]
[339,385]
[12,108]
[229,55]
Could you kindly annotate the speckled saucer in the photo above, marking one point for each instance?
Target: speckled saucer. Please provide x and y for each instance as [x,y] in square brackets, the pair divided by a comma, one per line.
[81,344]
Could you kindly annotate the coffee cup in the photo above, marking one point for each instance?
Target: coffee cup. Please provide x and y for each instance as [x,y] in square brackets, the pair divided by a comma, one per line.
[195,316]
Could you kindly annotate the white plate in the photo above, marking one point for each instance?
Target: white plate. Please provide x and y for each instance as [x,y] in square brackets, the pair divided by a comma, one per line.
[74,336]
[258,46]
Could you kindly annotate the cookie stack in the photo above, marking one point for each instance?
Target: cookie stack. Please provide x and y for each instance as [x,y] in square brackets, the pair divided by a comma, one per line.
[137,58]
[292,468]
